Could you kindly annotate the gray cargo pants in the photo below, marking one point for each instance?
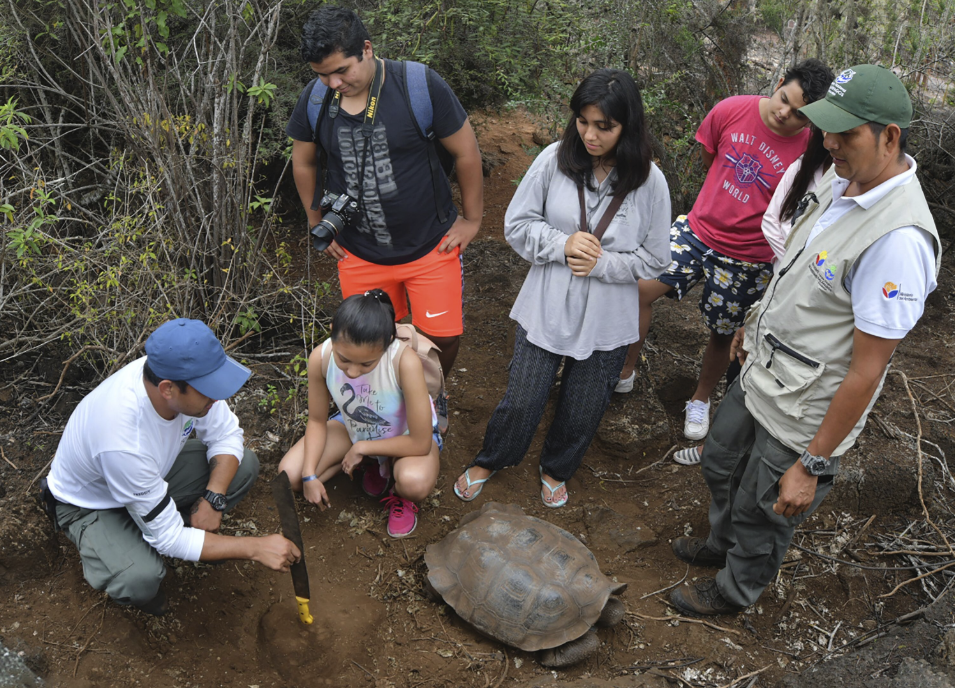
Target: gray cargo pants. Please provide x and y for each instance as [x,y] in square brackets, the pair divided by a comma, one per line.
[742,464]
[115,556]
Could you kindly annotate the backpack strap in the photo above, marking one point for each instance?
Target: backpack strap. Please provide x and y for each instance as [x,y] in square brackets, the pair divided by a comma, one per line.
[315,102]
[396,360]
[418,94]
[316,107]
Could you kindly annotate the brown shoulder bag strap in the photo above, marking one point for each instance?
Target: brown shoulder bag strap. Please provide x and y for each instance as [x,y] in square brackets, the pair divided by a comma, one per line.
[605,220]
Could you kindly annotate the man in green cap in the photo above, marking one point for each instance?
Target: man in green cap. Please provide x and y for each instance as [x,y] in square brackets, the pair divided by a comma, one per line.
[863,256]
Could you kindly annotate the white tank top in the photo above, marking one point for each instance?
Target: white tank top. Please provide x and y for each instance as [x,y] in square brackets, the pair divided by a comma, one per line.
[372,405]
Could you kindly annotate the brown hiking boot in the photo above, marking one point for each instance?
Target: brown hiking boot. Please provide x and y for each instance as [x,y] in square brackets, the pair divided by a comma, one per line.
[704,598]
[694,550]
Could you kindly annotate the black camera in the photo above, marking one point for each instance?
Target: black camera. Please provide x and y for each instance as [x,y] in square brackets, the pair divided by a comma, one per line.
[338,210]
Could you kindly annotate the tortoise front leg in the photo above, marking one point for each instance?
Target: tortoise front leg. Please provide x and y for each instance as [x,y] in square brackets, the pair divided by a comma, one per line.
[571,652]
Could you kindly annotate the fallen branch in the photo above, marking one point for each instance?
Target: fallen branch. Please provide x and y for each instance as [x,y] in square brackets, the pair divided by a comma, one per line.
[241,339]
[669,587]
[88,641]
[37,476]
[855,538]
[917,578]
[679,663]
[685,619]
[737,681]
[928,517]
[15,467]
[863,566]
[365,670]
[871,635]
[504,674]
[66,366]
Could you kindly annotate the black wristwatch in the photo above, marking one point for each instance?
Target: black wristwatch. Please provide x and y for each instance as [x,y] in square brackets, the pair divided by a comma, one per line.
[815,465]
[216,500]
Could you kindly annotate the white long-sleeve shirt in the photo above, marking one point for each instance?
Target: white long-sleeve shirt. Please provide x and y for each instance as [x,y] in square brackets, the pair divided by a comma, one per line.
[116,451]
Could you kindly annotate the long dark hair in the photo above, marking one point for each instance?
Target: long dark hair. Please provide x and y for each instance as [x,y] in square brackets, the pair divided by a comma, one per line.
[367,318]
[815,157]
[615,94]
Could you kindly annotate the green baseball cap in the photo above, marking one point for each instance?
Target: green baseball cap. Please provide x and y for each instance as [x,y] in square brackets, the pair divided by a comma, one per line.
[864,93]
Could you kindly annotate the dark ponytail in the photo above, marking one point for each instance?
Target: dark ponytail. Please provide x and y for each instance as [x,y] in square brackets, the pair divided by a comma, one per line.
[367,318]
[815,157]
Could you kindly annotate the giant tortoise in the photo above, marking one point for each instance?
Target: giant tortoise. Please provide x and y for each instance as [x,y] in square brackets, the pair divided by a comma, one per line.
[525,582]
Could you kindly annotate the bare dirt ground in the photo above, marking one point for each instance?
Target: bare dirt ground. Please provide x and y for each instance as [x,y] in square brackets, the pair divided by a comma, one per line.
[235,624]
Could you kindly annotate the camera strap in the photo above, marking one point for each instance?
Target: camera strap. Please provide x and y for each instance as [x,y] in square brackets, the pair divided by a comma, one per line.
[371,106]
[368,123]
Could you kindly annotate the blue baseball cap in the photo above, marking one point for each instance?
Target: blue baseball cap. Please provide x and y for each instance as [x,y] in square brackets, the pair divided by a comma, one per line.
[188,350]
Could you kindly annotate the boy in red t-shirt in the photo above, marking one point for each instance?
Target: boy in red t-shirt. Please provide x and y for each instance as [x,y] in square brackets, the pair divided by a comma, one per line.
[748,142]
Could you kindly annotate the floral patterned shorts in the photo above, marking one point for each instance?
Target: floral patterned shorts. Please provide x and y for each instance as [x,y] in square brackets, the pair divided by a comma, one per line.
[730,286]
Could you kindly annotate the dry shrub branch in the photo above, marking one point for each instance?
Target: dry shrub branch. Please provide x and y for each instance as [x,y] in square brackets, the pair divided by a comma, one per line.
[136,191]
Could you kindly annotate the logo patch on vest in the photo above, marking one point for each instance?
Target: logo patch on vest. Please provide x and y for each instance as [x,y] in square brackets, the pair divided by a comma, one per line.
[824,270]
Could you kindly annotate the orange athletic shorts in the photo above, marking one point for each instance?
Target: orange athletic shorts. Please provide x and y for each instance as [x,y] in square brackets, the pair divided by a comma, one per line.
[433,284]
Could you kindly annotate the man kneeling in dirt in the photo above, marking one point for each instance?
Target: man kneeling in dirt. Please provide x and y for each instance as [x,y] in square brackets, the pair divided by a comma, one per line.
[862,257]
[126,480]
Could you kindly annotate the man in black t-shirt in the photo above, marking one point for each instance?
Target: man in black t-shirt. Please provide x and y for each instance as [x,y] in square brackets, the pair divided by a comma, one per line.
[399,243]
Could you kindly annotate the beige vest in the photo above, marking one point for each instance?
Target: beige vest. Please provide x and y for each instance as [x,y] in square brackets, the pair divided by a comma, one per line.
[799,336]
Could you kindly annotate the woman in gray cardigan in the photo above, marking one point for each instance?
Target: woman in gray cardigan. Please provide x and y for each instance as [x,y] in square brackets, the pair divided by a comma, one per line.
[592,216]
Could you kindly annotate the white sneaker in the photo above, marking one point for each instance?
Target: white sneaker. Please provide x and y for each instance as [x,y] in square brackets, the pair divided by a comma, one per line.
[625,385]
[697,422]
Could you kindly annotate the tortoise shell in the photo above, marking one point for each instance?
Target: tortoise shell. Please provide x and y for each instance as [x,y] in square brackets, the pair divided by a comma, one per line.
[517,578]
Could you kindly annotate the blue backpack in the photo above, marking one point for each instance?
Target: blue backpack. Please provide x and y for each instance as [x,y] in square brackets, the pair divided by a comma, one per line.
[418,100]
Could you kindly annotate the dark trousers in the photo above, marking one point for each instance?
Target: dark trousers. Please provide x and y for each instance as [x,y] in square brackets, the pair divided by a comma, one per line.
[742,464]
[585,389]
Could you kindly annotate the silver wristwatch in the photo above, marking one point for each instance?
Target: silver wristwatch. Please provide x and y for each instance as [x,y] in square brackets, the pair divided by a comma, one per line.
[815,465]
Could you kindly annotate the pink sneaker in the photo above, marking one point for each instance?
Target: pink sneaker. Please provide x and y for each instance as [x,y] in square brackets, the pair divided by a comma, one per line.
[402,517]
[373,482]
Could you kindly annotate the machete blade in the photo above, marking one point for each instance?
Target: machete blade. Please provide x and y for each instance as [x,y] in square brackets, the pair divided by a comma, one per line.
[285,503]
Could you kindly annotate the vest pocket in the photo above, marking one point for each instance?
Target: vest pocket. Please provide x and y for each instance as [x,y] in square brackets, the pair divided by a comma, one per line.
[784,374]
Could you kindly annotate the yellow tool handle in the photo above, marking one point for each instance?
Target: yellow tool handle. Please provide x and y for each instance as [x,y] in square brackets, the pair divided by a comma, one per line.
[303,612]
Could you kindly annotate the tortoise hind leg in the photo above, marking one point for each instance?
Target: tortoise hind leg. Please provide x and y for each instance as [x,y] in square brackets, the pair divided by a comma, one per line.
[571,652]
[612,614]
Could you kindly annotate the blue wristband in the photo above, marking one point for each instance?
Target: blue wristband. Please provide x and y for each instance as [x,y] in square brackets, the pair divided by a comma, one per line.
[309,478]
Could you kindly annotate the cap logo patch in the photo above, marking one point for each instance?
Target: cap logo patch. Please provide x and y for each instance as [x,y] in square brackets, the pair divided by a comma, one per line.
[835,88]
[845,77]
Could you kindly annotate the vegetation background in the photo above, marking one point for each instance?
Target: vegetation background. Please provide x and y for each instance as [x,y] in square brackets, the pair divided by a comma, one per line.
[144,169]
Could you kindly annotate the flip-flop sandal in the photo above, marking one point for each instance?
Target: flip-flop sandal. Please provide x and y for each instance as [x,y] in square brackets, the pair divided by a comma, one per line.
[471,483]
[688,457]
[551,504]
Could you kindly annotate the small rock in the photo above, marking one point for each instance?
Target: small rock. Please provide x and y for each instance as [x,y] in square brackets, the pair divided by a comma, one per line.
[14,673]
[918,674]
[948,647]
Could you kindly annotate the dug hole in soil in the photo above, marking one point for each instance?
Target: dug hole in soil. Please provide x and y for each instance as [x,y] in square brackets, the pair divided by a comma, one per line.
[235,624]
